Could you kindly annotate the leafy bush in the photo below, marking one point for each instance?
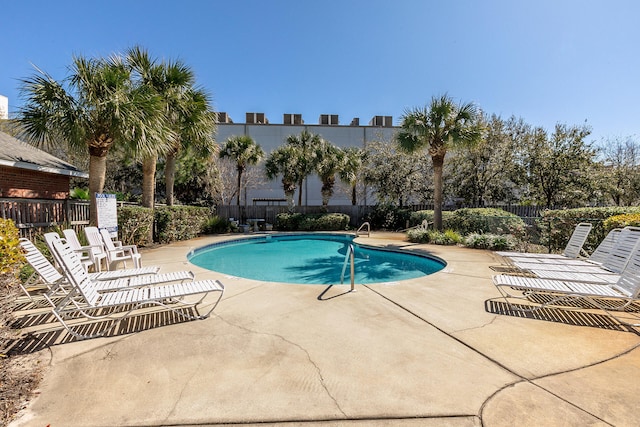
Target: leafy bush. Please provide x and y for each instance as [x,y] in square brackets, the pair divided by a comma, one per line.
[134,225]
[448,237]
[11,255]
[486,220]
[621,221]
[494,242]
[388,217]
[417,217]
[217,225]
[311,222]
[11,260]
[174,223]
[556,226]
[78,193]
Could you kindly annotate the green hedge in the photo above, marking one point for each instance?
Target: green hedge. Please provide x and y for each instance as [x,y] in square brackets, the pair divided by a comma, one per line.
[311,222]
[175,223]
[134,225]
[486,220]
[556,226]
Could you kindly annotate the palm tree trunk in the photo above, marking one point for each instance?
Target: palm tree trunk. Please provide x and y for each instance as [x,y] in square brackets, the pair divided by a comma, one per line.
[354,200]
[170,176]
[300,193]
[438,162]
[97,171]
[148,181]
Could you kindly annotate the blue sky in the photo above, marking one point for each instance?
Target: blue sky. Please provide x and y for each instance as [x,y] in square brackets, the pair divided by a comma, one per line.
[546,61]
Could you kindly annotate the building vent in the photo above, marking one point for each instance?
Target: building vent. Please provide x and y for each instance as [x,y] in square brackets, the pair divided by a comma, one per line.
[383,121]
[293,119]
[224,118]
[328,119]
[355,121]
[256,119]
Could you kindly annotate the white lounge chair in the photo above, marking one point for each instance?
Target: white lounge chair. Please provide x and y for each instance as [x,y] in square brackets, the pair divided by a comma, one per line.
[91,255]
[614,299]
[86,301]
[115,254]
[100,275]
[44,272]
[607,272]
[571,250]
[122,279]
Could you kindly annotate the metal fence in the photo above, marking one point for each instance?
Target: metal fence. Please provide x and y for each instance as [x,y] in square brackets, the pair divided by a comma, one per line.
[35,215]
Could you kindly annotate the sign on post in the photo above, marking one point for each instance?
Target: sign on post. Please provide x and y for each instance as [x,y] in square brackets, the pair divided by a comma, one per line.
[107,210]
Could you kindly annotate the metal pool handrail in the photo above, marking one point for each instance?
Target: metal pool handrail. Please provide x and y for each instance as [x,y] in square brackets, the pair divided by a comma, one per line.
[349,255]
[362,226]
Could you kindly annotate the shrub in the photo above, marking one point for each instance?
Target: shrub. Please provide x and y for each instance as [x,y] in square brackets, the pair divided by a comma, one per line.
[11,255]
[11,260]
[134,225]
[217,225]
[486,220]
[621,221]
[388,217]
[311,222]
[448,237]
[174,223]
[494,242]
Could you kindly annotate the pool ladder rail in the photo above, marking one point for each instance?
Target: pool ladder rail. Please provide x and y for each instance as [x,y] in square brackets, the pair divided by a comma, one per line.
[368,227]
[349,258]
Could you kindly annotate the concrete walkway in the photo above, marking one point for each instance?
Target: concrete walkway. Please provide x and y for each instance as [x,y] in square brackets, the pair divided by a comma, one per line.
[424,352]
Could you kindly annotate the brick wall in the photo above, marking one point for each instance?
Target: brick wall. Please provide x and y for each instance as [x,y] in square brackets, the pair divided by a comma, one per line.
[15,182]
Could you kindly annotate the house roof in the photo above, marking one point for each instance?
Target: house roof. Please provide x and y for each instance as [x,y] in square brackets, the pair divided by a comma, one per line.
[19,154]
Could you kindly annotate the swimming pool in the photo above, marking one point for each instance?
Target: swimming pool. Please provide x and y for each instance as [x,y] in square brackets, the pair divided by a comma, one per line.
[310,259]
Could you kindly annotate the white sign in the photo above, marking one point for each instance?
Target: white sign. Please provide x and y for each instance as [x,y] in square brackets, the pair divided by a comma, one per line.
[107,209]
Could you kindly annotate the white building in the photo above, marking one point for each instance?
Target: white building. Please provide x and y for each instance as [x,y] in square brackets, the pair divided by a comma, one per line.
[4,107]
[270,136]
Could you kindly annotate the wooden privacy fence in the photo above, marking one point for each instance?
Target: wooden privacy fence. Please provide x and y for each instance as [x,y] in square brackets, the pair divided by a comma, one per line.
[33,215]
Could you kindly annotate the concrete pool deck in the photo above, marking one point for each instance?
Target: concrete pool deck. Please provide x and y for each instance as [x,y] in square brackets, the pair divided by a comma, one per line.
[423,352]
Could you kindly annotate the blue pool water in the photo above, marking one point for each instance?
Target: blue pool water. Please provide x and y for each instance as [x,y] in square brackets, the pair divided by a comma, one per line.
[310,259]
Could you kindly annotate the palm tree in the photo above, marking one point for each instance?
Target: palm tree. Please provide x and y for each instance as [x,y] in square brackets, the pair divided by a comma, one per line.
[438,127]
[329,161]
[244,150]
[189,118]
[306,145]
[284,161]
[95,107]
[195,124]
[351,166]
